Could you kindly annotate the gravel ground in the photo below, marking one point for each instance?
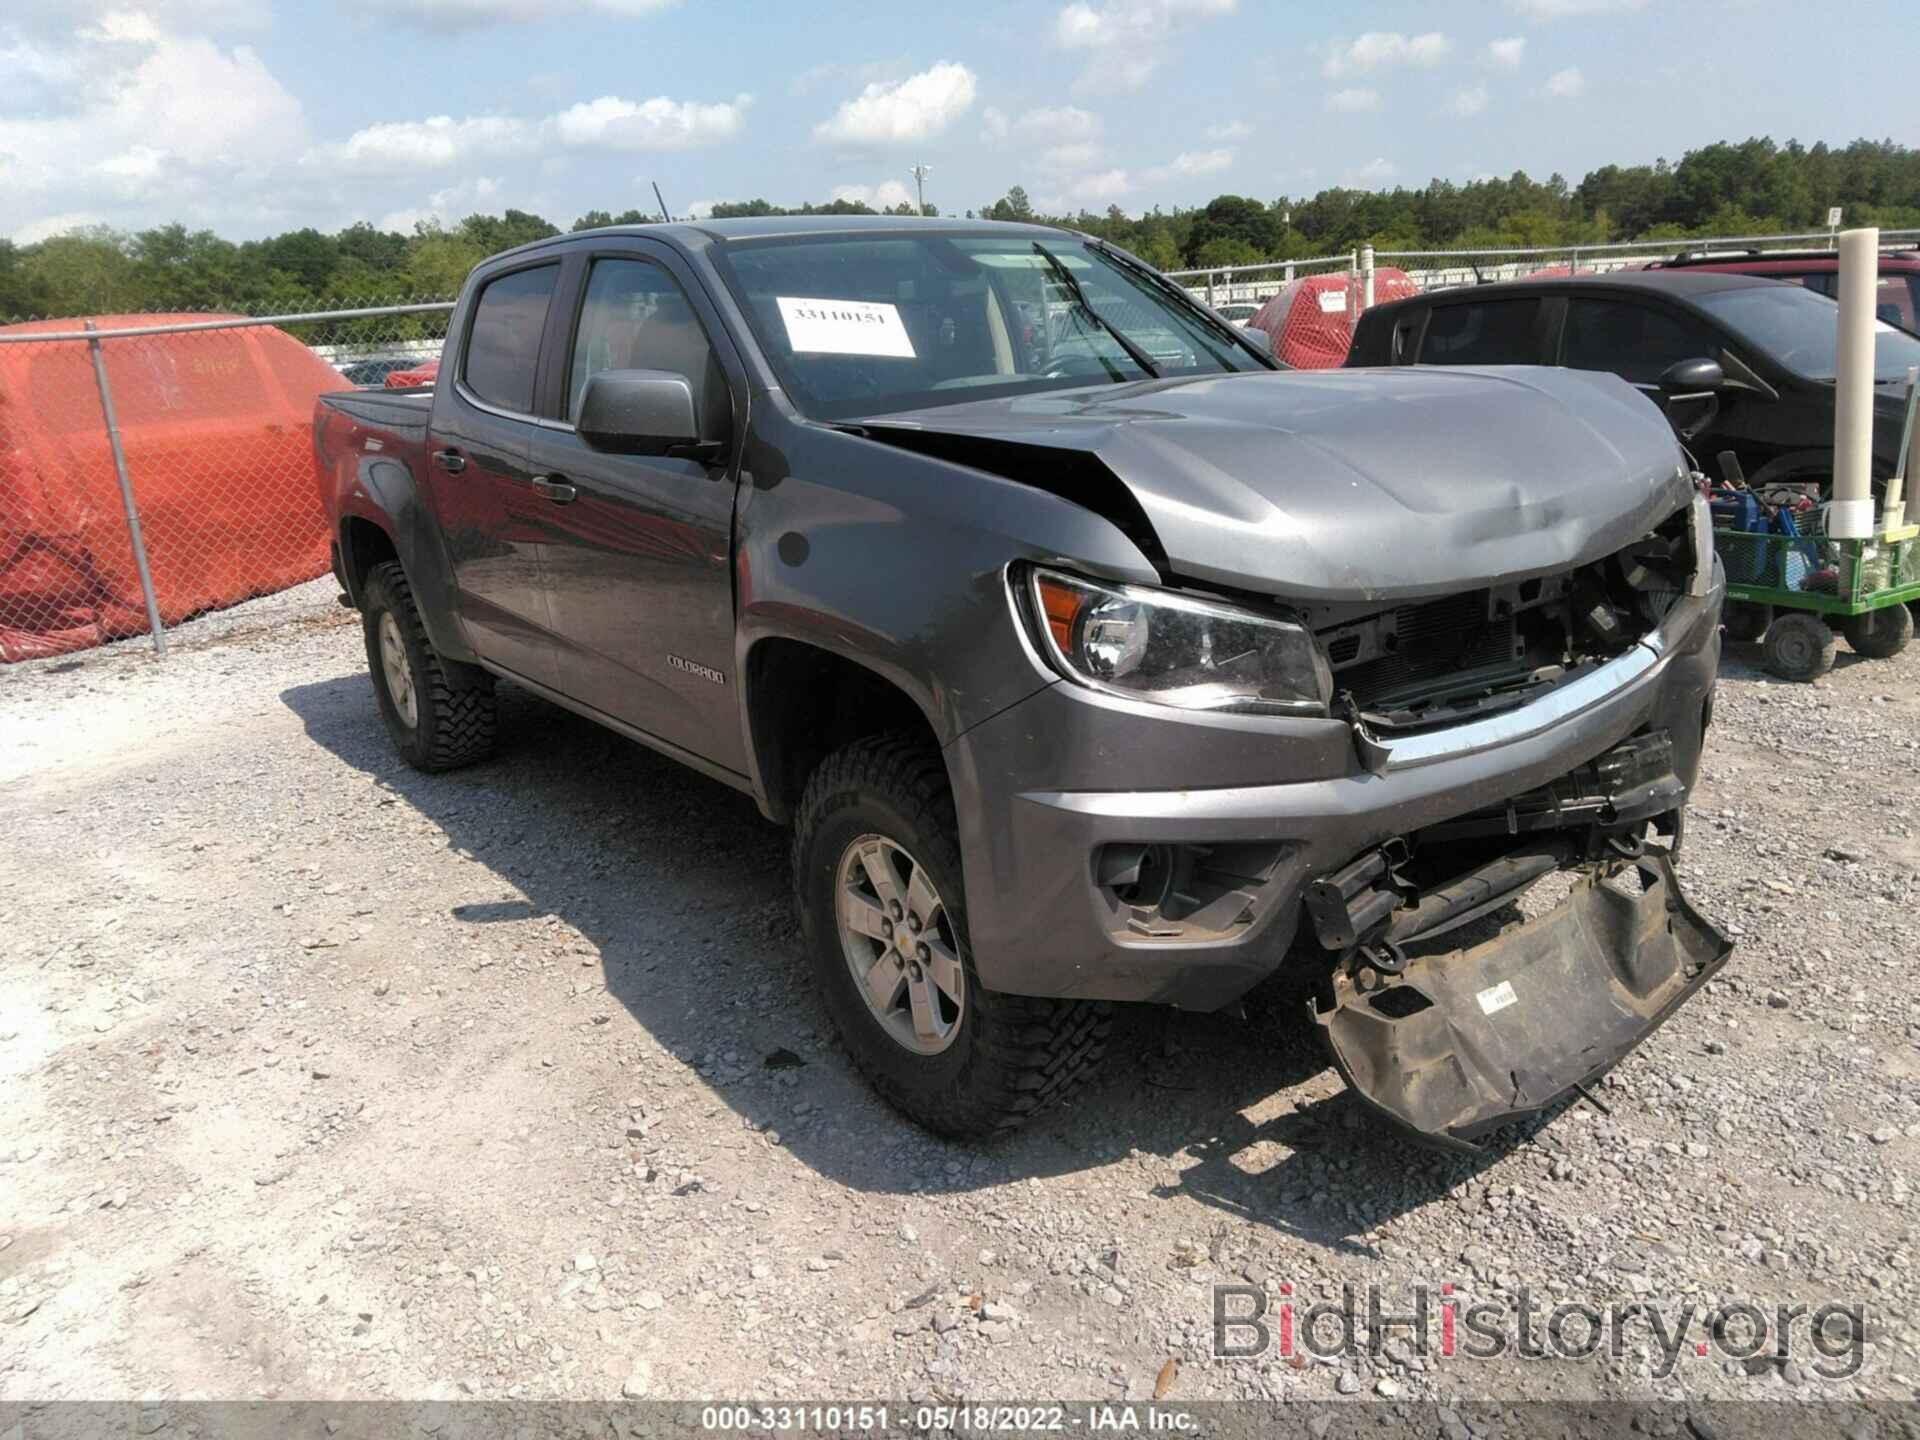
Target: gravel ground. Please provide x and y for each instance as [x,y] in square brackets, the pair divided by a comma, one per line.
[327,1079]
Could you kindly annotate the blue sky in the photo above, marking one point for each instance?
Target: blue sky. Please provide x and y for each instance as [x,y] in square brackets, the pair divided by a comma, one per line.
[253,116]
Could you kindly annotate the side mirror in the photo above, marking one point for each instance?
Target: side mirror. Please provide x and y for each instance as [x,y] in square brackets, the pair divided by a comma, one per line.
[1685,376]
[639,412]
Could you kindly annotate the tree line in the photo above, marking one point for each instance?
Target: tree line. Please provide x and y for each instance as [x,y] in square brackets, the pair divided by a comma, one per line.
[1750,187]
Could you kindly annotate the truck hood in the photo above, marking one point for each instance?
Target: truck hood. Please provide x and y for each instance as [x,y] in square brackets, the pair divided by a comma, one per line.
[1350,484]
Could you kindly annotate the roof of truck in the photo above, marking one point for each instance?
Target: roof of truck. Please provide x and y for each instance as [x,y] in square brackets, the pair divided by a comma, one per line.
[762,227]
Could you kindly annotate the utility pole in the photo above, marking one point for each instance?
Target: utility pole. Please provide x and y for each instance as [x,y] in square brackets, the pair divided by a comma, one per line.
[920,173]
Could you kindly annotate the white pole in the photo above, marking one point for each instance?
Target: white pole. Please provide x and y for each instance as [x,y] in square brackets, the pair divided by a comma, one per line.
[1366,277]
[1851,517]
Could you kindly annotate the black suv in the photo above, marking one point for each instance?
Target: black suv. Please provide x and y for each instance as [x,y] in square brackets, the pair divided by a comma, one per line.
[1771,346]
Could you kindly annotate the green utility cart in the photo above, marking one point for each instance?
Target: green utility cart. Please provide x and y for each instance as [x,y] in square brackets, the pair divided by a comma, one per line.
[1792,591]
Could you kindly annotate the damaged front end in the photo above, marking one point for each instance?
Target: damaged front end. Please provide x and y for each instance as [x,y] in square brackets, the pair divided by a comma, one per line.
[1451,1043]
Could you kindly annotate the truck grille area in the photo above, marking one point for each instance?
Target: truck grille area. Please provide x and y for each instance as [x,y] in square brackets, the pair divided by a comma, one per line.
[1431,663]
[1435,640]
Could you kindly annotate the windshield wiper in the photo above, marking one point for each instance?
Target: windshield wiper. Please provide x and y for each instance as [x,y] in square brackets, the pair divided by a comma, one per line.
[1066,278]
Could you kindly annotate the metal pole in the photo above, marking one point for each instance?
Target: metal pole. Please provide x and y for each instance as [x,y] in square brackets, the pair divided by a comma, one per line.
[126,493]
[1366,277]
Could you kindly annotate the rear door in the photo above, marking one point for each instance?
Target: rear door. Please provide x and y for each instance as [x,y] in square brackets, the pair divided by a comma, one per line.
[477,470]
[1491,331]
[639,547]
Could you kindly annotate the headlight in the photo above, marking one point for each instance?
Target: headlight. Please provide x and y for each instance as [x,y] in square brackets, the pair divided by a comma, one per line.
[1175,650]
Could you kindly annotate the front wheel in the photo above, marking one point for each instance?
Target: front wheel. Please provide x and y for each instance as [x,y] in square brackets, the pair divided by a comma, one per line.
[1800,646]
[439,712]
[1879,634]
[876,863]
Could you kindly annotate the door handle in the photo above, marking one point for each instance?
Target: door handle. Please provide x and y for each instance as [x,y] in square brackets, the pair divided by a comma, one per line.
[451,461]
[554,488]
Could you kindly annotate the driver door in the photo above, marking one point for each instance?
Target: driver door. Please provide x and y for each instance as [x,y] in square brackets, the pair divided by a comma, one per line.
[638,549]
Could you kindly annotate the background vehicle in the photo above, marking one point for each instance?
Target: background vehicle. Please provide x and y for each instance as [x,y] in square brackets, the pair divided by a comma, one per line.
[1772,343]
[1089,658]
[1898,301]
[1239,312]
[372,372]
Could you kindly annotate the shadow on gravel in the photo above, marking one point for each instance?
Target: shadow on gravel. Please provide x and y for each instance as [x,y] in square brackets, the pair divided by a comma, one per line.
[683,889]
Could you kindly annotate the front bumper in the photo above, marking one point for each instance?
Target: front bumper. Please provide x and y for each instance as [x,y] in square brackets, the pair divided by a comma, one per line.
[1047,785]
[1460,1043]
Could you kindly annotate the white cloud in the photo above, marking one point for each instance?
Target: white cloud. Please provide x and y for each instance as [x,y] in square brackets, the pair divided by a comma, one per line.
[1353,102]
[611,123]
[1100,189]
[1232,130]
[915,108]
[401,148]
[1383,49]
[1470,101]
[1508,51]
[1126,39]
[884,196]
[1202,162]
[1566,84]
[1372,175]
[445,207]
[1055,139]
[449,15]
[160,116]
[45,228]
[701,209]
[1561,9]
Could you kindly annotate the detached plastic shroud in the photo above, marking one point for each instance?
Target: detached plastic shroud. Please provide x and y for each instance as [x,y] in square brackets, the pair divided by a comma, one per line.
[1452,1045]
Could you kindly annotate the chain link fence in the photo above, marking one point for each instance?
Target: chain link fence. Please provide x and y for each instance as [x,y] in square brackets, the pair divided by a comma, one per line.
[156,468]
[1438,269]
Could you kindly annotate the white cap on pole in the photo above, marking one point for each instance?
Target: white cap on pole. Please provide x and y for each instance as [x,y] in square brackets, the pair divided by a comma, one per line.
[1851,516]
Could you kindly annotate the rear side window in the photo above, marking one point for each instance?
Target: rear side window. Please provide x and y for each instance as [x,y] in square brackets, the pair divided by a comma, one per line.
[1635,342]
[503,345]
[1493,332]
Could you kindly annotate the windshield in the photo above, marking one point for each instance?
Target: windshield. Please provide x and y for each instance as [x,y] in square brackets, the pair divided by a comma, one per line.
[1801,330]
[861,325]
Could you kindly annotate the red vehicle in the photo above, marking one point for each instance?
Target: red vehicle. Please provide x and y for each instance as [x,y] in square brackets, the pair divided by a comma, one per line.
[419,377]
[1898,302]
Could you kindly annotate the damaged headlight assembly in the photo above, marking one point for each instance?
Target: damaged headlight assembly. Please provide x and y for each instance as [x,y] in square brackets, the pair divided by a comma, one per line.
[1178,650]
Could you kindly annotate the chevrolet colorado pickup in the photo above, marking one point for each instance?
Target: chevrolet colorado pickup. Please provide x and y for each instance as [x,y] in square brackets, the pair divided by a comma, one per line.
[1091,656]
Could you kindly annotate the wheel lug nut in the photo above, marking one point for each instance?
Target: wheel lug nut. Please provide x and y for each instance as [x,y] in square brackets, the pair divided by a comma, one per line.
[894,906]
[886,927]
[914,971]
[921,953]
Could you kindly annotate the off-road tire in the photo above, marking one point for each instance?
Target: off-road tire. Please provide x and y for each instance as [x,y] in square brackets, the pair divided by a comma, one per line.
[1800,646]
[454,725]
[1879,634]
[1013,1054]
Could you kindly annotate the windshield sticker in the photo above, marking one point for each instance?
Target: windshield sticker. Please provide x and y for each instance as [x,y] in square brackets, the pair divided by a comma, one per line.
[844,327]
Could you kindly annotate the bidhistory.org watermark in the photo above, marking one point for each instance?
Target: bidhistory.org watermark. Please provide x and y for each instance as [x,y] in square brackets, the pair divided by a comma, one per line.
[1435,1324]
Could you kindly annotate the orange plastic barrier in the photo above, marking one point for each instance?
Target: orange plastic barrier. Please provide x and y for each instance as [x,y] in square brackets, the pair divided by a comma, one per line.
[217,430]
[1311,319]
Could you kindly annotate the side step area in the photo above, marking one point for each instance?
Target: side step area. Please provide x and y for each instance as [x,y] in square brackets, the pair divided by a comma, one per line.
[1460,1043]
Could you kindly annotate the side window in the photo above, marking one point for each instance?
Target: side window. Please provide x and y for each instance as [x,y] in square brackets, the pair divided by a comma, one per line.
[503,346]
[636,317]
[1493,332]
[1635,342]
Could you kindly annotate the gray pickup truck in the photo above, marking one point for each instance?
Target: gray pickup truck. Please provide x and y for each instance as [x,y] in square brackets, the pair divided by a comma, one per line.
[1091,656]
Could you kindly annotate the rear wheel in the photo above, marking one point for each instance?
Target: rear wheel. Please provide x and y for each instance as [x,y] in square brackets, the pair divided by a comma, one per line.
[439,712]
[876,862]
[1800,646]
[1879,634]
